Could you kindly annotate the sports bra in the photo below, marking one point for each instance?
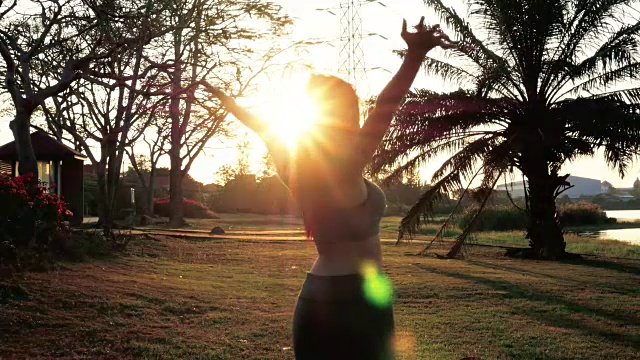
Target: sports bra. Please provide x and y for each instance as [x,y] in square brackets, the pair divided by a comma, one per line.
[358,223]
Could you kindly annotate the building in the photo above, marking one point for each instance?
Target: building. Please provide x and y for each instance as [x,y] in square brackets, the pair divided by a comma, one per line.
[581,187]
[57,164]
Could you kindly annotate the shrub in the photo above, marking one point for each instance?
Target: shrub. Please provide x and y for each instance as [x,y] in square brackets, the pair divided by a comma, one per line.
[87,243]
[32,222]
[495,218]
[505,218]
[396,209]
[583,213]
[191,209]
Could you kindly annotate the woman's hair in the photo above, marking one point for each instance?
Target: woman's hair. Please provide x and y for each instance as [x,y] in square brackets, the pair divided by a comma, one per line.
[336,100]
[338,119]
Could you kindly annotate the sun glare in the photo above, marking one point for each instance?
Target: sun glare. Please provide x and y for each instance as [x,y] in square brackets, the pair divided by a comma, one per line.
[288,109]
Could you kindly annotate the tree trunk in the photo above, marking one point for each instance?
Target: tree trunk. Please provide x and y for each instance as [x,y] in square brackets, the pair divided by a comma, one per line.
[151,190]
[27,163]
[543,231]
[176,215]
[105,218]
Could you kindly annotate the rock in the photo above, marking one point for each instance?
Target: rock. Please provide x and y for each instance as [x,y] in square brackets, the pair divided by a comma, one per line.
[129,222]
[145,220]
[217,231]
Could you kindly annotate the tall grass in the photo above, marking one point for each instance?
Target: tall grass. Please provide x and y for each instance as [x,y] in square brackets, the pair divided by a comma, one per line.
[507,218]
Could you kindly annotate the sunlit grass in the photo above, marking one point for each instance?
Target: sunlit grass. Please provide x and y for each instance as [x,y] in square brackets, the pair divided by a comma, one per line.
[230,299]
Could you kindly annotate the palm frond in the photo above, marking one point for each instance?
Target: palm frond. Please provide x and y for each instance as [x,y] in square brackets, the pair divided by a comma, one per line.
[629,96]
[423,208]
[617,53]
[629,72]
[604,122]
[470,45]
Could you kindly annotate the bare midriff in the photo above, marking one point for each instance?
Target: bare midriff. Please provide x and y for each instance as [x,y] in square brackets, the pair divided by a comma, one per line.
[346,257]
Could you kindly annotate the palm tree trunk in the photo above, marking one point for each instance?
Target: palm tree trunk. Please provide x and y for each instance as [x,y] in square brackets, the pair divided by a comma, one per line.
[543,231]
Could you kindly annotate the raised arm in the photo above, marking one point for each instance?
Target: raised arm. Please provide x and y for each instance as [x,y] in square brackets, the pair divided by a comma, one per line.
[377,123]
[251,121]
[277,149]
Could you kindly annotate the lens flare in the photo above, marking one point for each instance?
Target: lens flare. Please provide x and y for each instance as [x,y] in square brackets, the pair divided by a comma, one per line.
[377,287]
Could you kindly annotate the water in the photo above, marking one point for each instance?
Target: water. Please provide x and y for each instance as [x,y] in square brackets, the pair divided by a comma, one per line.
[630,235]
[624,215]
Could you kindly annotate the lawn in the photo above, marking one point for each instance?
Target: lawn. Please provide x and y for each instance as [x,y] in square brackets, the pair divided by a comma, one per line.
[177,298]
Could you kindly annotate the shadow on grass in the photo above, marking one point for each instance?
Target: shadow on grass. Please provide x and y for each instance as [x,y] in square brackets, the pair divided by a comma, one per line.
[605,264]
[618,289]
[513,291]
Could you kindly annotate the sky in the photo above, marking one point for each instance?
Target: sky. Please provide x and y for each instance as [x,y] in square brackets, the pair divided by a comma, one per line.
[319,20]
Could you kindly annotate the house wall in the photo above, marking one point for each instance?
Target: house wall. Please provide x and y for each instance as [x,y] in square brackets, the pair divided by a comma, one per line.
[5,167]
[582,187]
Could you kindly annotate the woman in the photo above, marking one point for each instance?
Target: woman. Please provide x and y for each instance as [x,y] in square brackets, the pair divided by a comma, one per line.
[344,308]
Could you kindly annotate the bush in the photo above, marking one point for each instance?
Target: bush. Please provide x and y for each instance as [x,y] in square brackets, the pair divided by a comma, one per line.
[583,213]
[495,218]
[191,209]
[32,222]
[505,218]
[85,244]
[396,209]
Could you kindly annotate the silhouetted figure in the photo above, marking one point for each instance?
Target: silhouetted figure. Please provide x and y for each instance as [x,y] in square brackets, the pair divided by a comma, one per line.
[344,309]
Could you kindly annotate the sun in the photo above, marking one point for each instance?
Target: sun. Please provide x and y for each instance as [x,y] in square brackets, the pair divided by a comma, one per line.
[287,108]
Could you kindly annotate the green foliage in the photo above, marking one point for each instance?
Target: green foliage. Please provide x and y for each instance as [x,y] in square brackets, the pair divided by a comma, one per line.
[85,244]
[190,208]
[536,95]
[636,189]
[495,218]
[612,202]
[583,213]
[507,218]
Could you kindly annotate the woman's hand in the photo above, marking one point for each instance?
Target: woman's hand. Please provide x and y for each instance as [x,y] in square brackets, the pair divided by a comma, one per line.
[425,38]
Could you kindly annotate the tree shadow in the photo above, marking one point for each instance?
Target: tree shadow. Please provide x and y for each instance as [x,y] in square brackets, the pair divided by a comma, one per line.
[513,291]
[618,289]
[605,264]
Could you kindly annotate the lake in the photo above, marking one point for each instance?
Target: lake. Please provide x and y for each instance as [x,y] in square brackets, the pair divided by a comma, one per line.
[624,215]
[629,235]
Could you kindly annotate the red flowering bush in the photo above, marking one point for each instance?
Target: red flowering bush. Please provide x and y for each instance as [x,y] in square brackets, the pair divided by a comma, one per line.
[31,219]
[190,208]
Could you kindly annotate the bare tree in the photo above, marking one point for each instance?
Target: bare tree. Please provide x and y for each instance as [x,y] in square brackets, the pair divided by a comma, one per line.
[46,45]
[156,138]
[208,42]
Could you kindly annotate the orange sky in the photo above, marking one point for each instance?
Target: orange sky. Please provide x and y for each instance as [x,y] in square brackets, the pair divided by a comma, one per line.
[379,62]
[385,22]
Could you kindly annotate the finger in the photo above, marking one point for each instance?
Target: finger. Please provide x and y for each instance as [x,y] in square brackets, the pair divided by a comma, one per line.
[445,37]
[404,26]
[421,23]
[446,45]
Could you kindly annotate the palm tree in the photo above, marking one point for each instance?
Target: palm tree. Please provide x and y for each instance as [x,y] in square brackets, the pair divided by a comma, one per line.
[538,91]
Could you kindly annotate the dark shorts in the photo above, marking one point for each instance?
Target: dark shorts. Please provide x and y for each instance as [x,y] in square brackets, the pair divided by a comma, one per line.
[333,319]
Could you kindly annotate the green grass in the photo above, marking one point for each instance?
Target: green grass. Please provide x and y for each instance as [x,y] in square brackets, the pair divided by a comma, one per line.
[176,298]
[575,243]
